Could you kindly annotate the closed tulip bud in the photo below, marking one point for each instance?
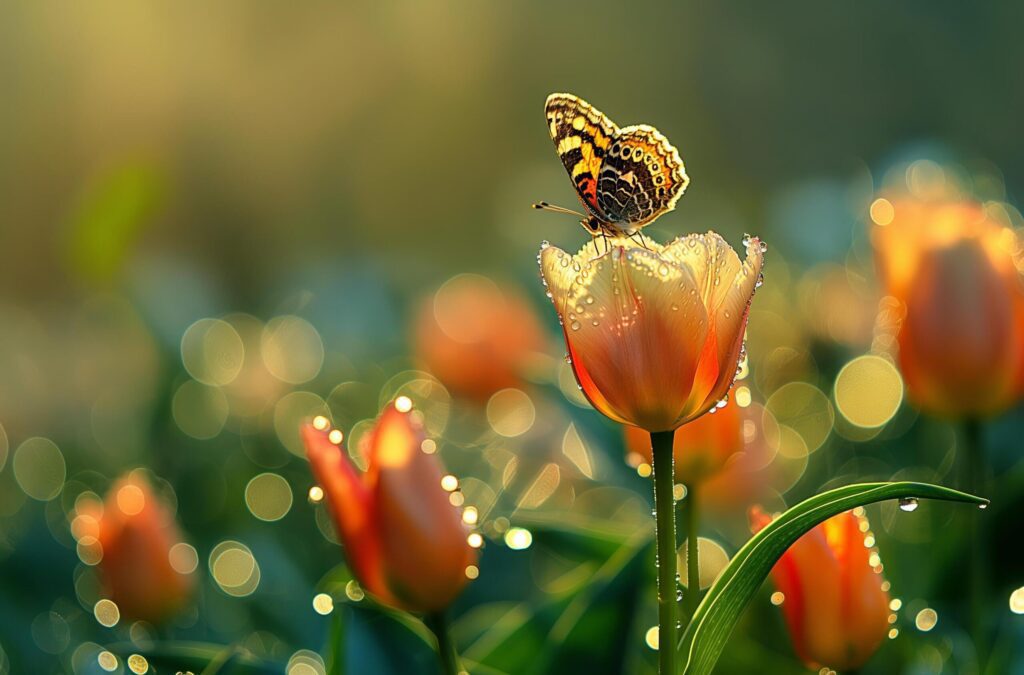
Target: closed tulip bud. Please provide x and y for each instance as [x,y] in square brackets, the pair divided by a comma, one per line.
[955,274]
[477,338]
[834,599]
[654,332]
[404,540]
[135,532]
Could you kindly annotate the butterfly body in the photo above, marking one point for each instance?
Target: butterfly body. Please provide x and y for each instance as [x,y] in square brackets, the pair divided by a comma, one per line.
[625,178]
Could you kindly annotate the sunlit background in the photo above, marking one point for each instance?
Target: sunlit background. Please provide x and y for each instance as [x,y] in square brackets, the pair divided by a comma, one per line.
[218,220]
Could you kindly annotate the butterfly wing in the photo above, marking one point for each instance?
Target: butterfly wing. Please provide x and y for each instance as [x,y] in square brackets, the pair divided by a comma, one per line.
[582,135]
[641,177]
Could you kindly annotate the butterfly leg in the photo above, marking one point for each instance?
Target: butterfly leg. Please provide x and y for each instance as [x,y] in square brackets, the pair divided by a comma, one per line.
[641,239]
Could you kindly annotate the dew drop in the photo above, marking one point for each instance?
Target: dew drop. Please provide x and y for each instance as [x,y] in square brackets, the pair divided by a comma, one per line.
[575,325]
[982,506]
[908,504]
[545,244]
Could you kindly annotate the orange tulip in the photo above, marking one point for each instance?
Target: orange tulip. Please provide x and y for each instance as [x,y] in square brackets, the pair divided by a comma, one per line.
[477,338]
[135,532]
[654,332]
[835,601]
[405,542]
[955,274]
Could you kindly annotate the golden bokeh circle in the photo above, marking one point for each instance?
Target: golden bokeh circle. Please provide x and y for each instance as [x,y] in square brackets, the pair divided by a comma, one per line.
[868,391]
[292,349]
[199,410]
[106,613]
[39,468]
[268,496]
[511,412]
[183,558]
[712,561]
[234,568]
[212,351]
[805,409]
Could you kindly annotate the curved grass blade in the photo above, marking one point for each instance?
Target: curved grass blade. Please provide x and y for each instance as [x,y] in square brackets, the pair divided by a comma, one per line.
[706,636]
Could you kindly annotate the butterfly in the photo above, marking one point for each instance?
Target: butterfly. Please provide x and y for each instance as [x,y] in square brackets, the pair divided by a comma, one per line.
[625,178]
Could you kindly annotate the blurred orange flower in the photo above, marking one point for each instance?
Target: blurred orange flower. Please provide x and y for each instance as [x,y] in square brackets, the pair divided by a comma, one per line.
[728,454]
[477,338]
[404,540]
[835,601]
[135,533]
[654,332]
[955,273]
[701,448]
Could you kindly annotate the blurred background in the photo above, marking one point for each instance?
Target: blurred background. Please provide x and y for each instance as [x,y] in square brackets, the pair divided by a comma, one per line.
[219,219]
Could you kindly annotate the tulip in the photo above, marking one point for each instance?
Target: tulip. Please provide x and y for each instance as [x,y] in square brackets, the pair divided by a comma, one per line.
[954,273]
[654,335]
[654,332]
[477,338]
[835,601]
[405,542]
[134,533]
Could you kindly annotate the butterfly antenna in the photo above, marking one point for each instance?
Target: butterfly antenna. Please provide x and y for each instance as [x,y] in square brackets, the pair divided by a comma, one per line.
[544,206]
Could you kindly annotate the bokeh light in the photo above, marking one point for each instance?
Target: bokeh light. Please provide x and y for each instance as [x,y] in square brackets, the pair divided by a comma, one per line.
[292,349]
[868,391]
[39,468]
[511,412]
[234,568]
[268,496]
[212,351]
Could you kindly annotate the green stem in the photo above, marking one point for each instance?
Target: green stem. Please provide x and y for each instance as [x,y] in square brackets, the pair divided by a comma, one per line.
[692,551]
[977,482]
[446,654]
[665,532]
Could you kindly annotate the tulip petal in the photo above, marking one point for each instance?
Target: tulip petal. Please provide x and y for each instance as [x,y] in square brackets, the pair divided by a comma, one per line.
[727,287]
[422,536]
[352,509]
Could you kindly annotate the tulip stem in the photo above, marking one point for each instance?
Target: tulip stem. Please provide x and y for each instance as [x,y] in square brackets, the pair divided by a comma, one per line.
[449,658]
[977,482]
[665,533]
[692,551]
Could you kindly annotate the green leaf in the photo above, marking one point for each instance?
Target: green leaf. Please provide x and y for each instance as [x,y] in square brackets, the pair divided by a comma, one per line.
[706,636]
